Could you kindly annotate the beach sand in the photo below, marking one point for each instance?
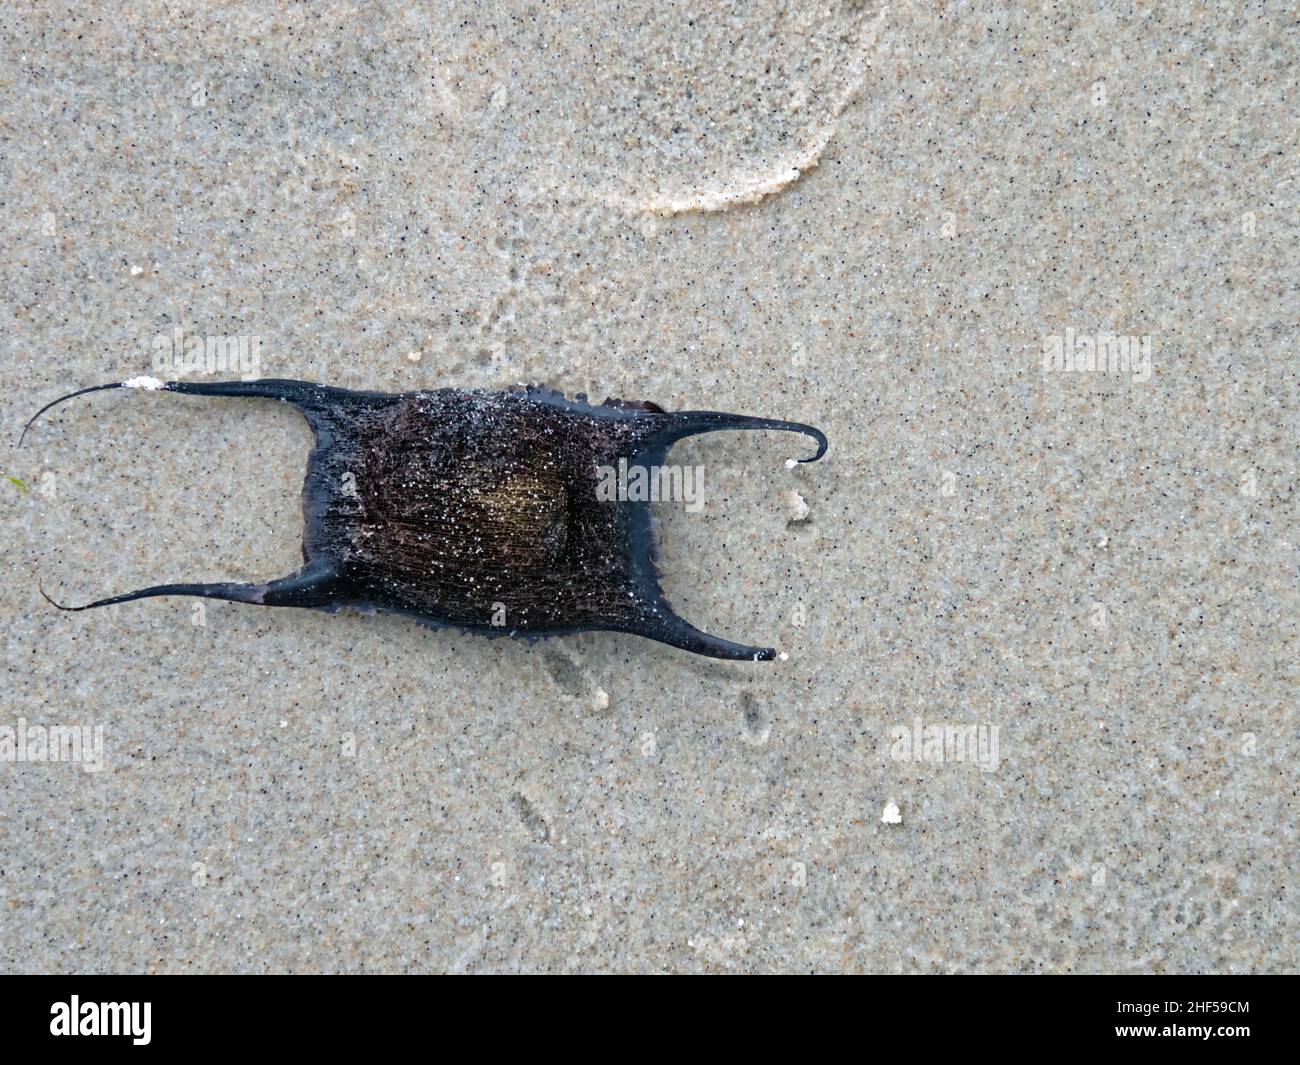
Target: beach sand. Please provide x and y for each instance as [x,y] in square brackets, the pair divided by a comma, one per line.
[871,220]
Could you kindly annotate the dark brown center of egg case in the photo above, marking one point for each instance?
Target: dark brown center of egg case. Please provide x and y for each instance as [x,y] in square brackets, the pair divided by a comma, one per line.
[464,505]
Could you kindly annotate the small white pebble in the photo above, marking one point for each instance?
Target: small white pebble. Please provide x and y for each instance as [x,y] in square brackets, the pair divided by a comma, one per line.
[136,271]
[783,657]
[799,510]
[791,463]
[891,816]
[284,724]
[414,356]
[600,700]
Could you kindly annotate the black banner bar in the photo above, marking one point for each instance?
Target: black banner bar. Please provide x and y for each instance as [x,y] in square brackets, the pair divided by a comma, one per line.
[1219,1015]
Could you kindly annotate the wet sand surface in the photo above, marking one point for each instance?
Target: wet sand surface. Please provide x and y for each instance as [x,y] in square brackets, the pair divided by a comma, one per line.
[1037,705]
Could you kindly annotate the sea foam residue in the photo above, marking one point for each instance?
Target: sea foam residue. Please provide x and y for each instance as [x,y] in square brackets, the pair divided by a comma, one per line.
[751,187]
